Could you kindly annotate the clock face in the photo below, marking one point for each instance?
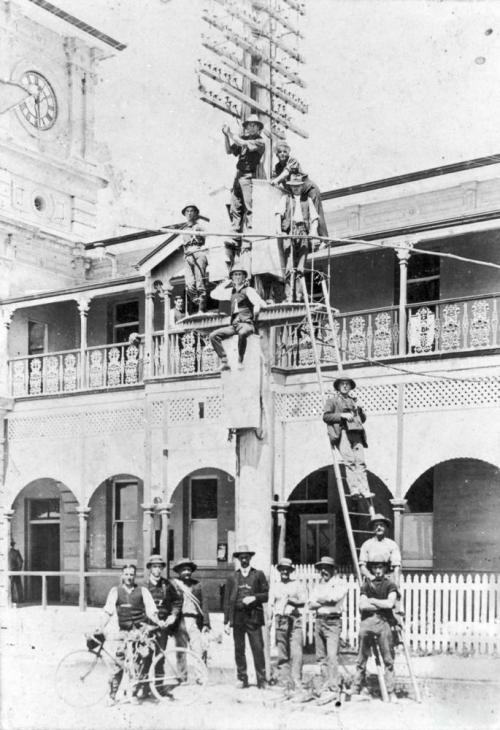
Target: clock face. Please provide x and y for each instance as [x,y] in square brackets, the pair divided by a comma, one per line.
[40,109]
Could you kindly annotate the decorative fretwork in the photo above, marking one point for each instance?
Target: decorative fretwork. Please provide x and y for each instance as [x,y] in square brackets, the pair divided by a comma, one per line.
[383,337]
[213,407]
[96,371]
[480,324]
[19,377]
[114,419]
[157,411]
[114,367]
[131,365]
[60,426]
[35,384]
[438,394]
[188,354]
[421,331]
[356,341]
[449,328]
[51,374]
[181,410]
[70,373]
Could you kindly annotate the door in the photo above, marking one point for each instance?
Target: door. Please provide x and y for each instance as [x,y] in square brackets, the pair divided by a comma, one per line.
[317,537]
[45,555]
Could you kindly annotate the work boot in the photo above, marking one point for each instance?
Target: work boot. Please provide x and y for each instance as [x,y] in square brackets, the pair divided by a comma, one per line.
[242,684]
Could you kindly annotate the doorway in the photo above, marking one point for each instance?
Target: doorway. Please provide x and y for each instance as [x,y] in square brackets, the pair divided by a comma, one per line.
[317,537]
[44,547]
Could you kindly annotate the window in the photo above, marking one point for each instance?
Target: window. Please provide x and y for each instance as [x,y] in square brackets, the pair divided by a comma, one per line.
[423,279]
[125,506]
[44,509]
[203,499]
[125,320]
[37,338]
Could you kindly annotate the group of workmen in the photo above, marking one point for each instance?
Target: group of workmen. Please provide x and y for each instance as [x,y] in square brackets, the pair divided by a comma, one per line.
[178,606]
[299,220]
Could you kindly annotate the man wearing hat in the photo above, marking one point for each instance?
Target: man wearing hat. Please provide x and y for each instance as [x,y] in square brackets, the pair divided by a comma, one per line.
[245,593]
[195,257]
[345,419]
[249,148]
[195,618]
[380,549]
[286,602]
[296,215]
[245,307]
[377,600]
[327,599]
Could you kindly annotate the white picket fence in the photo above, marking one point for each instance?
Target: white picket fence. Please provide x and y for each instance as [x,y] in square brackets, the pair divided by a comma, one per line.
[443,613]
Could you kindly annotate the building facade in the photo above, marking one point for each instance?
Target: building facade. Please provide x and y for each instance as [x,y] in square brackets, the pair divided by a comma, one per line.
[116,446]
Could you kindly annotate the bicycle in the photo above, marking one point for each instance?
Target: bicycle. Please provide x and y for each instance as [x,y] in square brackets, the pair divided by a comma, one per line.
[83,677]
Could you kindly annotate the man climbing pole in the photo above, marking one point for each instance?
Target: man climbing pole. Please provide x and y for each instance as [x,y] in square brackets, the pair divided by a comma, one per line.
[297,216]
[249,148]
[245,307]
[345,419]
[195,257]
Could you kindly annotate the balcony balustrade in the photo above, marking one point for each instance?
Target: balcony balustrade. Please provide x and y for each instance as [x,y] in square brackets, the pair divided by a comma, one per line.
[439,327]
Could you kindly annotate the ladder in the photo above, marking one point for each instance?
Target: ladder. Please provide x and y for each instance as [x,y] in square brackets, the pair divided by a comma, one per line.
[354,536]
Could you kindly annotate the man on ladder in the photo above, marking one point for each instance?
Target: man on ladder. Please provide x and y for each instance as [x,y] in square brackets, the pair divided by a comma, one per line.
[344,419]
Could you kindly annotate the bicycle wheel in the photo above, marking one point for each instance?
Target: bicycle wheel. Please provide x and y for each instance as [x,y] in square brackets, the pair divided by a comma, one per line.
[82,678]
[179,674]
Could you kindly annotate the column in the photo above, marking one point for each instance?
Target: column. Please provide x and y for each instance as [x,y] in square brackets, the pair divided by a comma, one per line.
[83,514]
[6,528]
[281,510]
[398,507]
[6,319]
[148,328]
[164,509]
[147,530]
[403,255]
[83,308]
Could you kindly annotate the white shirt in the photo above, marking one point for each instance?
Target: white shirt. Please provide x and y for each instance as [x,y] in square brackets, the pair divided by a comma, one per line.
[296,208]
[149,604]
[334,591]
[282,592]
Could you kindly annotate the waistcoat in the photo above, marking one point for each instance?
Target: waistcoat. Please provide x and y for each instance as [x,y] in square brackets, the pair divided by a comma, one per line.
[130,608]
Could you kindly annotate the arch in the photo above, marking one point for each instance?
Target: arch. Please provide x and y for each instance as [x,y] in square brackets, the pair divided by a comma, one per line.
[46,528]
[202,521]
[457,501]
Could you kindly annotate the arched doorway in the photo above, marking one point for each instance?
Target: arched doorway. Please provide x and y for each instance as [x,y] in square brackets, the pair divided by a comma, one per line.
[46,531]
[314,522]
[451,522]
[202,527]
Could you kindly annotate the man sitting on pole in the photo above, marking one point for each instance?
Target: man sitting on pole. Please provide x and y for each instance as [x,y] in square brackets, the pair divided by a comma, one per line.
[344,418]
[377,600]
[249,148]
[245,307]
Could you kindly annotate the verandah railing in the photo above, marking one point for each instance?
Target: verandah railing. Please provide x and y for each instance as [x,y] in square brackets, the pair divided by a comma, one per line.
[443,613]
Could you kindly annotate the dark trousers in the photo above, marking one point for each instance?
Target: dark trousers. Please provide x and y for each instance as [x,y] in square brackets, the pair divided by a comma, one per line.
[196,276]
[289,649]
[242,628]
[241,203]
[16,589]
[242,329]
[375,628]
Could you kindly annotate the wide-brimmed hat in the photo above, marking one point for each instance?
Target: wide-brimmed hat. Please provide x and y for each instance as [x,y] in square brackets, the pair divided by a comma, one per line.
[239,269]
[183,562]
[190,205]
[341,378]
[155,560]
[329,562]
[380,518]
[253,119]
[243,550]
[285,563]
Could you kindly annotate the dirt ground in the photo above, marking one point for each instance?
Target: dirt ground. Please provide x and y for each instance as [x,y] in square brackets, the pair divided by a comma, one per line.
[458,693]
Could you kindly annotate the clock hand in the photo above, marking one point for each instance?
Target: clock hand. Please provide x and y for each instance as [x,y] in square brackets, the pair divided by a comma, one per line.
[37,111]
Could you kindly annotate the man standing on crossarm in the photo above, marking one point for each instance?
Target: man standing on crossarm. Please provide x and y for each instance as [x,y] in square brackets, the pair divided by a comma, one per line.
[245,593]
[195,257]
[377,600]
[249,148]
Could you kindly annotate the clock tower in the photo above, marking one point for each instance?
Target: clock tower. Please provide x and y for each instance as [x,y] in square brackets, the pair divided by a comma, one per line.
[51,166]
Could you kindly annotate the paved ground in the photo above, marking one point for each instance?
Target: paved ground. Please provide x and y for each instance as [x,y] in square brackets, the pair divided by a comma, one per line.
[459,693]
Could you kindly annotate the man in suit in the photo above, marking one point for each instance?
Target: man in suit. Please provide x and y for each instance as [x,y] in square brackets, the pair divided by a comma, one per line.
[245,593]
[345,419]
